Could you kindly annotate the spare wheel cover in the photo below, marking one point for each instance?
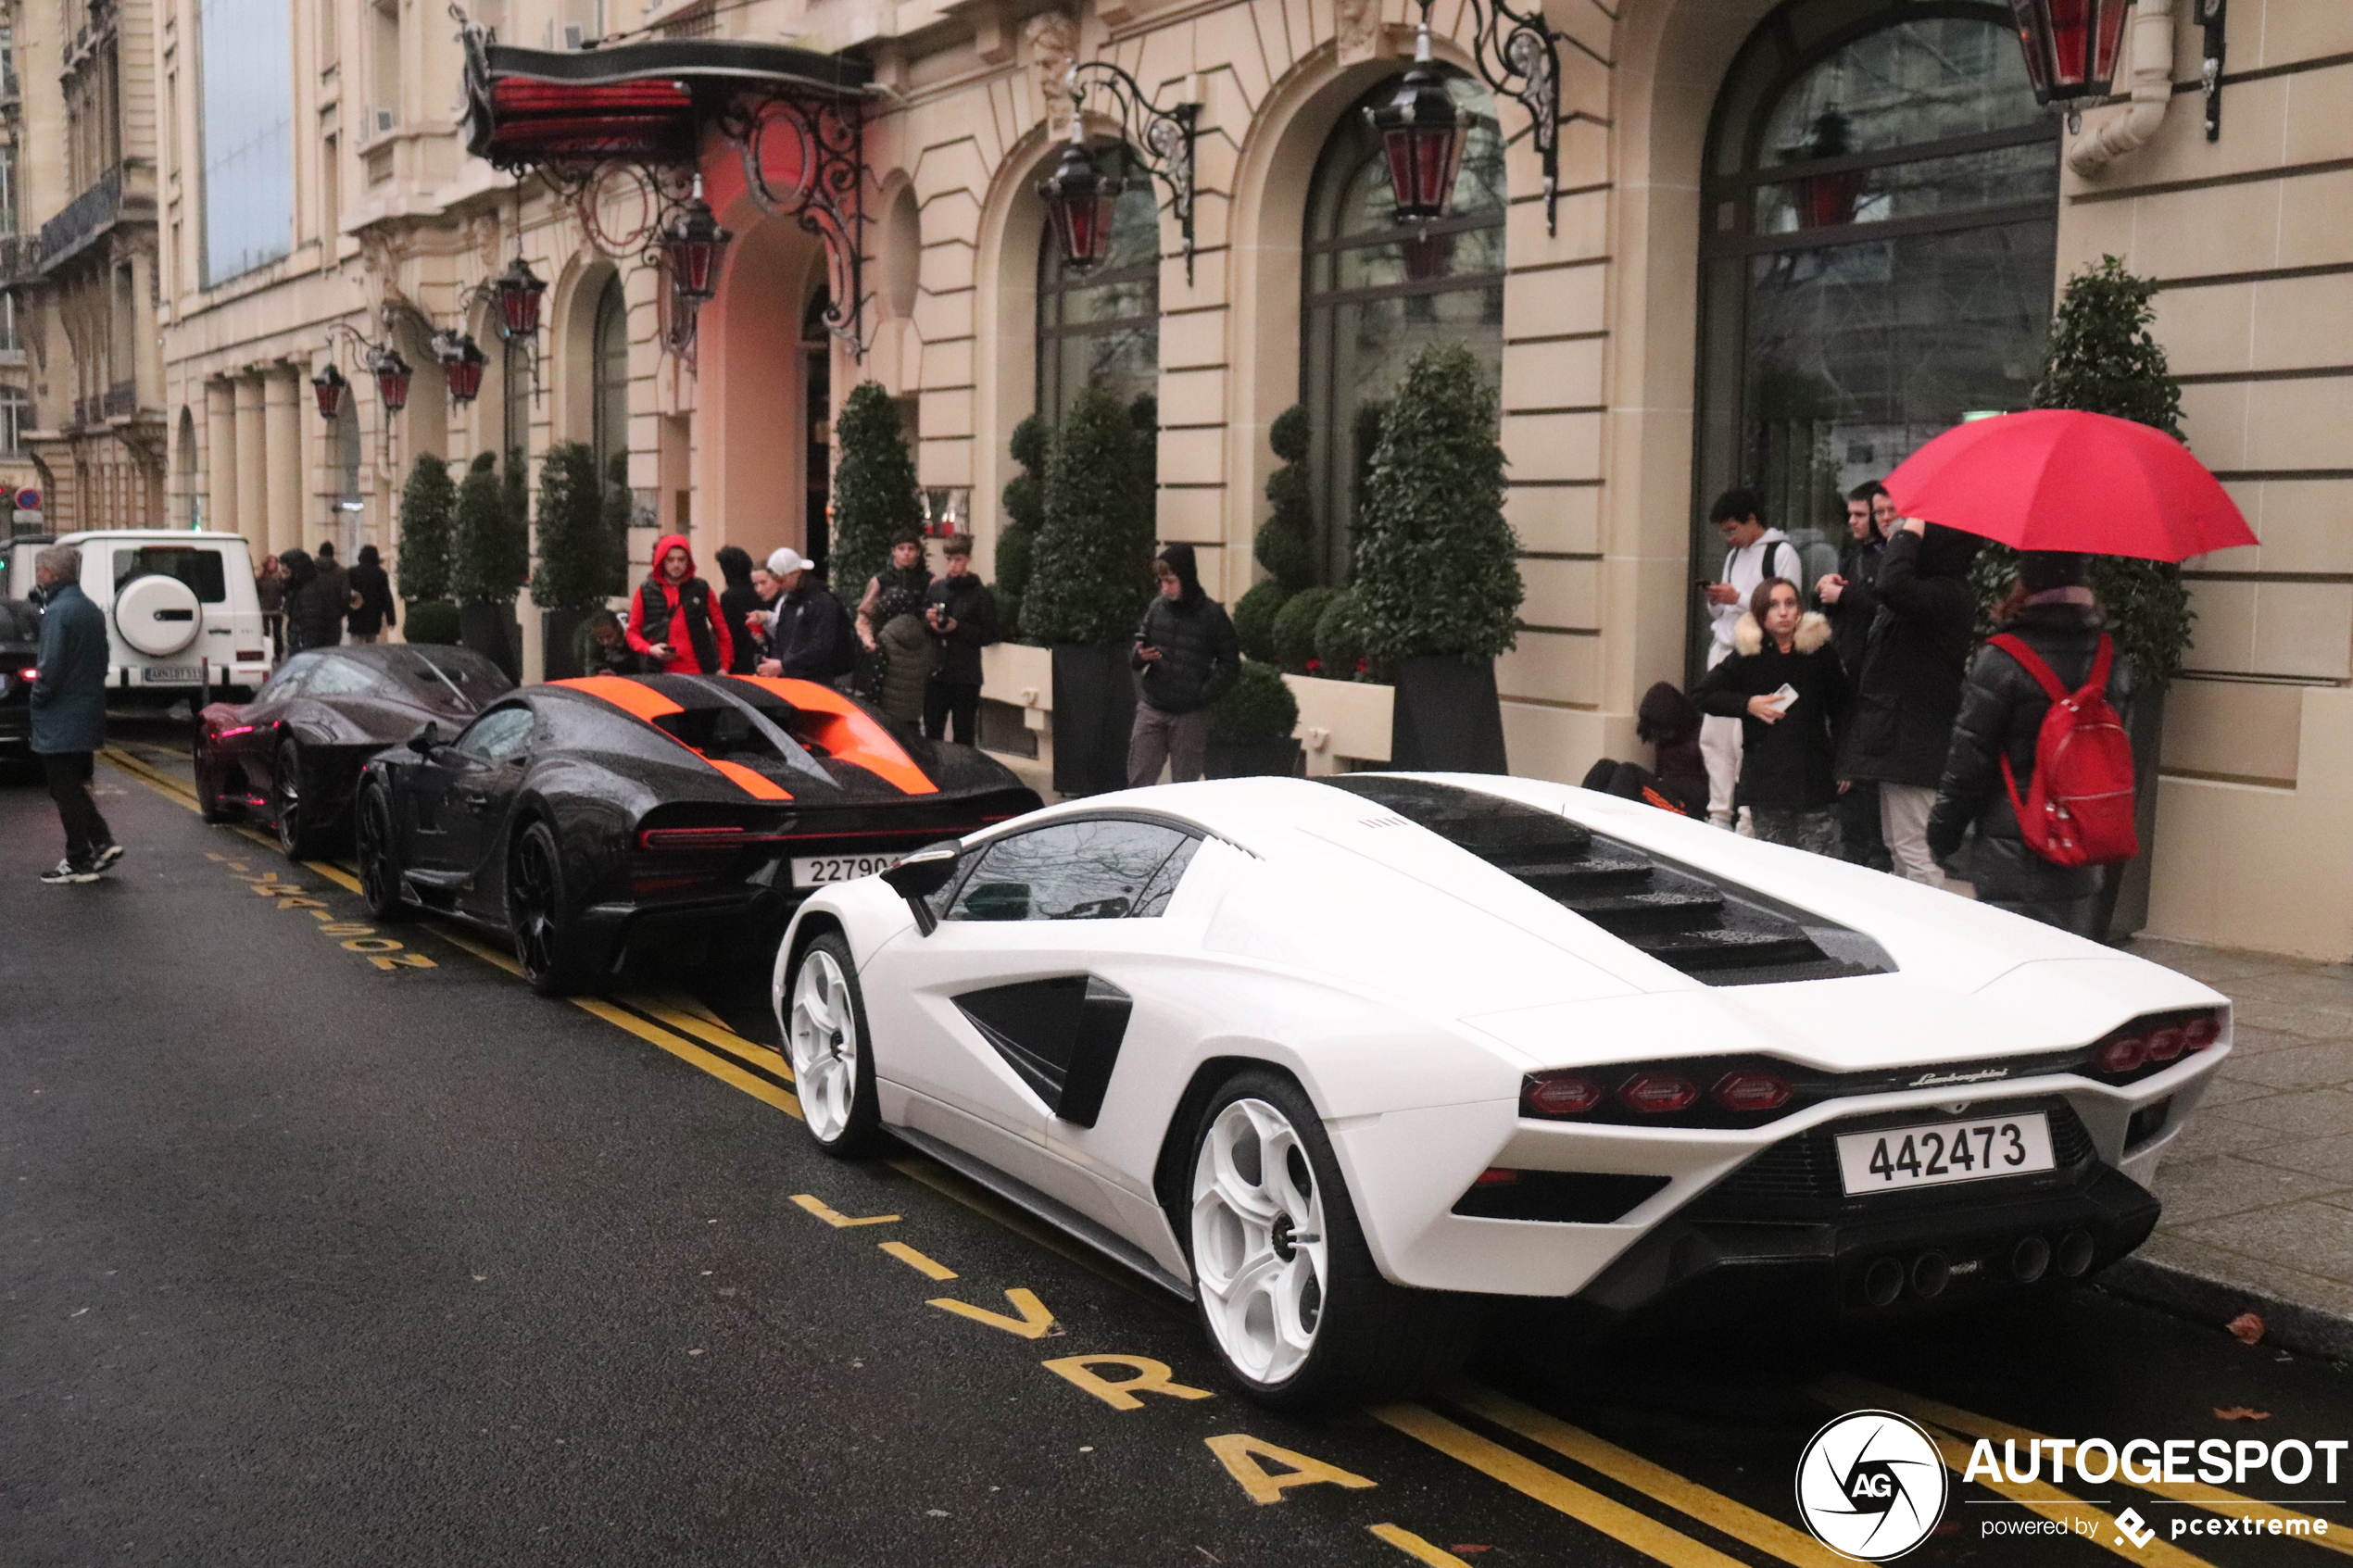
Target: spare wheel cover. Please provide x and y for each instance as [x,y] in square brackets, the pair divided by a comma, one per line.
[158,615]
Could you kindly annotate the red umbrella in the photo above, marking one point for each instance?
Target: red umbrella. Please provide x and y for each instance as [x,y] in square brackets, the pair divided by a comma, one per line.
[2060,478]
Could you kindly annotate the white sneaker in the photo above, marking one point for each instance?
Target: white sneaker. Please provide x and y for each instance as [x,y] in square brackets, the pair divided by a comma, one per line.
[66,871]
[104,858]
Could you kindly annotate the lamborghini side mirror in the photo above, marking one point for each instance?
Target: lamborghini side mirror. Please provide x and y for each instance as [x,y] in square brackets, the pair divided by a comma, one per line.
[423,742]
[926,872]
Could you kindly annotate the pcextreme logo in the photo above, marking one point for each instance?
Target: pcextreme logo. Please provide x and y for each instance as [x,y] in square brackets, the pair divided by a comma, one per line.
[1871,1485]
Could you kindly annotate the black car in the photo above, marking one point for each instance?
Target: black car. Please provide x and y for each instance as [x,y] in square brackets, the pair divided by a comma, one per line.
[19,646]
[600,820]
[292,756]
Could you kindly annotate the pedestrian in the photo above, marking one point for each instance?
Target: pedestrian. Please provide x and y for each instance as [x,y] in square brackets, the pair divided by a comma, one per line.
[960,614]
[2002,710]
[1667,722]
[602,647]
[1752,553]
[906,570]
[372,609]
[1188,654]
[1910,690]
[69,702]
[671,620]
[1848,599]
[334,580]
[314,617]
[903,653]
[270,591]
[738,597]
[1784,683]
[808,631]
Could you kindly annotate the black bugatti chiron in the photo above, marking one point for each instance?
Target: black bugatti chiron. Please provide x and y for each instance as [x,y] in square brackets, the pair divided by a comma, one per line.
[604,819]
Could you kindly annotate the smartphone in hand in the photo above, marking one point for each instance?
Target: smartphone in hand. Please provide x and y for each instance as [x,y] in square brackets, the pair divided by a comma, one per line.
[1782,700]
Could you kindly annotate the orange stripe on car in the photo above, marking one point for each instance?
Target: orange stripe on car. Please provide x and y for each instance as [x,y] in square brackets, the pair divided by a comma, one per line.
[644,702]
[847,730]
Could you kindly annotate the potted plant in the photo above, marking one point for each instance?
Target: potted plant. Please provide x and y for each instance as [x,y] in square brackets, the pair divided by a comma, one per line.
[1090,580]
[2102,358]
[1033,443]
[1251,725]
[488,558]
[1295,626]
[427,502]
[620,514]
[574,550]
[875,497]
[1286,542]
[1437,586]
[1340,640]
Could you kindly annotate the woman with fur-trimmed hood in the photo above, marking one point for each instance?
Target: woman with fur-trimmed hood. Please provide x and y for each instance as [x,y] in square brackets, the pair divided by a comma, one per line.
[1786,685]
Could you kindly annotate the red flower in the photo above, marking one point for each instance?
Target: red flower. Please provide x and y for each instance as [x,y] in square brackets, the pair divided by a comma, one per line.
[1315,667]
[1363,665]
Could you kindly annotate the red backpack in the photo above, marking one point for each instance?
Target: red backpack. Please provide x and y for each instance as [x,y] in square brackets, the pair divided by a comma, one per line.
[2078,810]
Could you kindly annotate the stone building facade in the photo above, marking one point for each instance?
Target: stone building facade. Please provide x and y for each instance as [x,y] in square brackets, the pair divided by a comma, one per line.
[1790,240]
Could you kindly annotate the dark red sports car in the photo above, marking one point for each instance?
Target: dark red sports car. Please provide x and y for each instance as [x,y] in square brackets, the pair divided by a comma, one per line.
[292,756]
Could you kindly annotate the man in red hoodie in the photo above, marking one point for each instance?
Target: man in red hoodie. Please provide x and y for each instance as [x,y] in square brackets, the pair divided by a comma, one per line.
[671,619]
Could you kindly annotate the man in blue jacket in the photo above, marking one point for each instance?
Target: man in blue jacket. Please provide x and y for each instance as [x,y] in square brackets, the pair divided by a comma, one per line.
[69,712]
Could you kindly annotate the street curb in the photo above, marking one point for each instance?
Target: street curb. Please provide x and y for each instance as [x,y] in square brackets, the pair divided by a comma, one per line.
[2292,1325]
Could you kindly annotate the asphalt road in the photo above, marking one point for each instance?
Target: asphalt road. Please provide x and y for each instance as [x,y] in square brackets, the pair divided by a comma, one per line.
[327,1242]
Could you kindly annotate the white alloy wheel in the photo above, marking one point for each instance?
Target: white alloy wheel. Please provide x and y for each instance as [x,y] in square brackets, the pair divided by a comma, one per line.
[823,1034]
[1261,1260]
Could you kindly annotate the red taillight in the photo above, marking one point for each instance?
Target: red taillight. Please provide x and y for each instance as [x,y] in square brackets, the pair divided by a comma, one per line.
[1752,1091]
[703,838]
[1560,1094]
[1656,1094]
[2162,1044]
[2201,1032]
[28,675]
[2124,1055]
[246,656]
[239,730]
[1495,1176]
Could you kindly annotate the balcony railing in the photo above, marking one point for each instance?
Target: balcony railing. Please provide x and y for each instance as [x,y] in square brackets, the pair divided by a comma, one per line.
[121,398]
[86,218]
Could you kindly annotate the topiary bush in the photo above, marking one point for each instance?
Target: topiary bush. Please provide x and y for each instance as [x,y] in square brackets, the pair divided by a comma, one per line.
[1340,641]
[1286,544]
[489,554]
[1253,615]
[1092,570]
[1033,443]
[1295,630]
[427,503]
[875,497]
[431,620]
[1257,709]
[1436,574]
[574,545]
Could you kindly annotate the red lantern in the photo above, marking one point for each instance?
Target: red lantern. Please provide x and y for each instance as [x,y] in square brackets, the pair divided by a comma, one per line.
[692,242]
[461,365]
[2071,47]
[329,387]
[1421,139]
[392,375]
[519,289]
[1080,200]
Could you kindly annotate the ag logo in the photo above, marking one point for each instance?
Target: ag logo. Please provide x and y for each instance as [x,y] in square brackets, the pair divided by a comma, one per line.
[1871,1486]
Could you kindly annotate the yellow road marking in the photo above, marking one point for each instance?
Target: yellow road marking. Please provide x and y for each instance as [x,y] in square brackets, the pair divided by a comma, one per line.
[687,1051]
[833,1217]
[924,1266]
[162,783]
[1862,1393]
[1711,1508]
[2037,1497]
[1033,1324]
[334,873]
[1416,1547]
[1151,1378]
[987,1205]
[710,1033]
[1239,1453]
[1613,1519]
[487,954]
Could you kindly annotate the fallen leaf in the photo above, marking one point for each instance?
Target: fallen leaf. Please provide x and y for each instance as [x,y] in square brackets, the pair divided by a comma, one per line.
[2247,1328]
[2240,1412]
[694,1352]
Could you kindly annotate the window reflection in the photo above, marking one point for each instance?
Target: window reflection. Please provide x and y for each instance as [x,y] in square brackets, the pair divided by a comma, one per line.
[1101,326]
[1075,870]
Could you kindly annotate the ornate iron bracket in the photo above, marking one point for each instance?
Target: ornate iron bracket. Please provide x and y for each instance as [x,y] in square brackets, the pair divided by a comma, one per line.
[1162,138]
[1520,56]
[825,140]
[2210,17]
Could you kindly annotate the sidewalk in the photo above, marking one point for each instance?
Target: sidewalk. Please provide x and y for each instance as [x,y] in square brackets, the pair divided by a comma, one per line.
[2258,1188]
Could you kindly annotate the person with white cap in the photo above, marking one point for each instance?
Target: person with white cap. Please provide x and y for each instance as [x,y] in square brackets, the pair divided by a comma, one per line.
[806,631]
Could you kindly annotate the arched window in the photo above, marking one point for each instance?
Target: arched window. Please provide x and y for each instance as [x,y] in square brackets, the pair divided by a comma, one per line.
[609,416]
[1101,327]
[516,367]
[349,501]
[1880,229]
[1374,292]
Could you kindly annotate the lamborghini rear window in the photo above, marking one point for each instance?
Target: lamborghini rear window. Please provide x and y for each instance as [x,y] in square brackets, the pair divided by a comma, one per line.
[1092,869]
[1714,930]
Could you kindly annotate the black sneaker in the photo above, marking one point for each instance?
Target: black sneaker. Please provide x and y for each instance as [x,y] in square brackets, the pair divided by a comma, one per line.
[66,871]
[104,858]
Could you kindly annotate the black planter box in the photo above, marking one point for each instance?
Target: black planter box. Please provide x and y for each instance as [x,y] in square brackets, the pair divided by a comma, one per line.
[1094,713]
[1284,758]
[1446,717]
[558,628]
[490,631]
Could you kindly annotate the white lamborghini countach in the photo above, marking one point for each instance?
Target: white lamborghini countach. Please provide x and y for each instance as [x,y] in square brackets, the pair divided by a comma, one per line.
[1339,1059]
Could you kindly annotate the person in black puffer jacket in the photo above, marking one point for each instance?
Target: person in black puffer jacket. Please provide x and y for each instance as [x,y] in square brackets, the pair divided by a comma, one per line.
[960,613]
[1910,688]
[1665,721]
[314,615]
[1188,654]
[2002,712]
[1789,776]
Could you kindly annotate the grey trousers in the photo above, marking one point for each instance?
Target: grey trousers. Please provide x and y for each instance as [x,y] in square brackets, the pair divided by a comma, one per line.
[1181,740]
[1903,822]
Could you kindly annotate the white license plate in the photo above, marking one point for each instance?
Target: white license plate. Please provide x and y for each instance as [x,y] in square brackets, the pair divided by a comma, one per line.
[1891,1159]
[815,870]
[172,672]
